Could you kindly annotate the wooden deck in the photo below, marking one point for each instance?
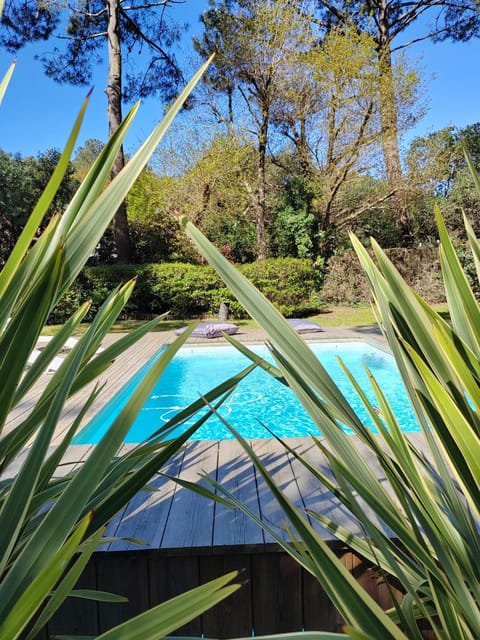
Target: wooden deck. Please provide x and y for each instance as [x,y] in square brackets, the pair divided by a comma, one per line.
[187,539]
[174,518]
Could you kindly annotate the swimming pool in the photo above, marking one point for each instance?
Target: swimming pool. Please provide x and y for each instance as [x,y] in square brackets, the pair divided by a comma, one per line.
[258,399]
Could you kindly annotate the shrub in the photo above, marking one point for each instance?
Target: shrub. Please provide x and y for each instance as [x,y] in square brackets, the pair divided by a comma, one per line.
[291,284]
[346,282]
[188,290]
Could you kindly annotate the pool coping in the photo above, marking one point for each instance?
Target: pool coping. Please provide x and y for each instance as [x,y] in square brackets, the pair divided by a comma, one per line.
[101,420]
[134,358]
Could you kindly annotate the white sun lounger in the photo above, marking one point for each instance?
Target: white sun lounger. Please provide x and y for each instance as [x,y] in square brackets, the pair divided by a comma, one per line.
[69,343]
[53,365]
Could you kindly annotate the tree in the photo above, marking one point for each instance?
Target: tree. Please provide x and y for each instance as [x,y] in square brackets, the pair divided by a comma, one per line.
[254,44]
[85,156]
[151,206]
[330,111]
[385,21]
[432,161]
[135,38]
[212,184]
[436,169]
[22,182]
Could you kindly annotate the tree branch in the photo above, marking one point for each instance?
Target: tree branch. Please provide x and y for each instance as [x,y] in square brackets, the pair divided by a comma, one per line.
[93,36]
[153,45]
[341,222]
[151,5]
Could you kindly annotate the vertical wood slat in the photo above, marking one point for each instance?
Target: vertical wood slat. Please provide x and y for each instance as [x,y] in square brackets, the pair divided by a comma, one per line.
[318,610]
[126,575]
[276,594]
[145,517]
[77,615]
[231,617]
[170,576]
[372,581]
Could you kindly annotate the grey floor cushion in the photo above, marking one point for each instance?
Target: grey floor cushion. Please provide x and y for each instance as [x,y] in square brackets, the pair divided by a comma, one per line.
[211,329]
[304,326]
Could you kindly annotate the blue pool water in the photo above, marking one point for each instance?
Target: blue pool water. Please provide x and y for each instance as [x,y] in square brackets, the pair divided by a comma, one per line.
[259,398]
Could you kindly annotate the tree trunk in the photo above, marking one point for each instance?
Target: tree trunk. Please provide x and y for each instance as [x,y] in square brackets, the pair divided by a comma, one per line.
[114,110]
[302,149]
[389,117]
[260,206]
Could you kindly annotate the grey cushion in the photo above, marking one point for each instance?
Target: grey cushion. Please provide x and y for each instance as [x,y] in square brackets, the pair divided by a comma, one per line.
[211,329]
[304,326]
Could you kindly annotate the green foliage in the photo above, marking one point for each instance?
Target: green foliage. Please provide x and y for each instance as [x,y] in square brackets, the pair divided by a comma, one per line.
[235,236]
[216,193]
[293,232]
[433,161]
[293,219]
[155,230]
[23,181]
[292,285]
[436,168]
[210,178]
[85,156]
[367,212]
[346,282]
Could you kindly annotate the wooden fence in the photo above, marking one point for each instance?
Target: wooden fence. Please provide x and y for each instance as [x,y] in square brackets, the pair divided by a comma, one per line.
[277,595]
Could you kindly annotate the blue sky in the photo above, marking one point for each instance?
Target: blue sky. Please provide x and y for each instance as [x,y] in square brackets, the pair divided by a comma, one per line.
[37,113]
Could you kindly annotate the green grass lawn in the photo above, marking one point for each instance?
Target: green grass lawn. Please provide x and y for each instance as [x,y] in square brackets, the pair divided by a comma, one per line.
[346,317]
[333,317]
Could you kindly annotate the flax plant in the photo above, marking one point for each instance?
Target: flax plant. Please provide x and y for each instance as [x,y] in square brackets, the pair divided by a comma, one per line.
[52,521]
[420,521]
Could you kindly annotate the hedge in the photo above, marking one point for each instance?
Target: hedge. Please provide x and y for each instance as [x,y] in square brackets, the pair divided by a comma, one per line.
[191,291]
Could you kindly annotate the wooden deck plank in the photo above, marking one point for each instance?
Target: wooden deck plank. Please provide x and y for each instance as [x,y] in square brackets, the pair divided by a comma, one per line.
[16,464]
[146,515]
[316,497]
[74,457]
[277,463]
[236,473]
[190,521]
